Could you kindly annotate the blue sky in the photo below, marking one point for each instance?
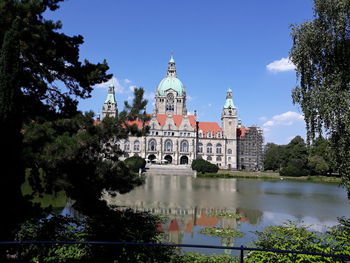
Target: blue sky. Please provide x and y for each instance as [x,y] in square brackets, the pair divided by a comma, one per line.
[217,44]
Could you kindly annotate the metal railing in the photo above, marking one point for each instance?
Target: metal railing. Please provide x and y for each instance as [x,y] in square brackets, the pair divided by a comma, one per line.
[342,258]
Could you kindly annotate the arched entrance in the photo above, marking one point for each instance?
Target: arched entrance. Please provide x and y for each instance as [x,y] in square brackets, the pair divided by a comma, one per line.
[151,158]
[168,158]
[184,160]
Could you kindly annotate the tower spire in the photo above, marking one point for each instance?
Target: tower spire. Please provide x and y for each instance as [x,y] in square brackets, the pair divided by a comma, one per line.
[171,68]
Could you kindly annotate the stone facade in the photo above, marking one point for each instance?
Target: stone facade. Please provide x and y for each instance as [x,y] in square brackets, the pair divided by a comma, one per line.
[178,138]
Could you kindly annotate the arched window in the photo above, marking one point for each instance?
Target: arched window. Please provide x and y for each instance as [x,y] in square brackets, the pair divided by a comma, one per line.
[168,146]
[229,151]
[209,148]
[200,134]
[126,146]
[137,146]
[200,147]
[209,158]
[152,145]
[218,158]
[118,146]
[218,148]
[184,146]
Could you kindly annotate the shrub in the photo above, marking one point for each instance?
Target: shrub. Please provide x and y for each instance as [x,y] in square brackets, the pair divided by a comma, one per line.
[135,163]
[204,166]
[293,171]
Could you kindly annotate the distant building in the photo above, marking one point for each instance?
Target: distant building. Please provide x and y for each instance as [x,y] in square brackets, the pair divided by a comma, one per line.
[250,148]
[176,137]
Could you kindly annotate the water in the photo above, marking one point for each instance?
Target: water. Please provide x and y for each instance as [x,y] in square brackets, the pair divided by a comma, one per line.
[188,202]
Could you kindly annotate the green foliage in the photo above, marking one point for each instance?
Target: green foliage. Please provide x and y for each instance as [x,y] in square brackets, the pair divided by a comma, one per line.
[274,157]
[203,166]
[114,226]
[135,163]
[199,258]
[57,228]
[78,157]
[318,165]
[321,55]
[293,171]
[291,236]
[221,232]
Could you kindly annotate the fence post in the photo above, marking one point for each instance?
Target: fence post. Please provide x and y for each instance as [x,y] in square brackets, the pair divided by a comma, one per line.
[242,254]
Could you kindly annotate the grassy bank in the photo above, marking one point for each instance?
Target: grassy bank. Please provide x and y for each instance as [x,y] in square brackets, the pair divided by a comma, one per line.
[268,176]
[57,200]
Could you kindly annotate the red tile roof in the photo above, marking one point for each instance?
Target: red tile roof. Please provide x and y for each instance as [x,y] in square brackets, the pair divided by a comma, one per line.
[161,118]
[174,226]
[214,127]
[205,220]
[242,131]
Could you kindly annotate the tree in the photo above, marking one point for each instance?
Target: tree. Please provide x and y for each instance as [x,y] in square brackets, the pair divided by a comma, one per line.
[80,157]
[135,163]
[274,157]
[321,54]
[203,166]
[41,78]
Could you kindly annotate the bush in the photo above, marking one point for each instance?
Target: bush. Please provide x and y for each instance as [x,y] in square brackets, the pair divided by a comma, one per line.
[135,163]
[204,166]
[296,237]
[199,258]
[293,171]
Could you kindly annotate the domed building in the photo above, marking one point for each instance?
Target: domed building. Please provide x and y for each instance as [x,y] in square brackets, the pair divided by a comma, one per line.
[176,137]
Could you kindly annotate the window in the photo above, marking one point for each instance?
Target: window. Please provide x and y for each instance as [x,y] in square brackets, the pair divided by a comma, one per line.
[209,158]
[230,123]
[200,134]
[218,148]
[184,146]
[218,158]
[209,134]
[218,135]
[137,146]
[229,159]
[168,146]
[209,148]
[152,145]
[200,147]
[126,146]
[229,151]
[170,102]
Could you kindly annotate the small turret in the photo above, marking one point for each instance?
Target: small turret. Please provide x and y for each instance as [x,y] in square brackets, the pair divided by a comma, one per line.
[109,108]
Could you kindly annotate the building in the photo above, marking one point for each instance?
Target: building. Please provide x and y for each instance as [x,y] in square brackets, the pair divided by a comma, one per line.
[249,148]
[177,137]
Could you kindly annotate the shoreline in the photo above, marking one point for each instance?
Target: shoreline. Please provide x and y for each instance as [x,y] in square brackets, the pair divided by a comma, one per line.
[269,176]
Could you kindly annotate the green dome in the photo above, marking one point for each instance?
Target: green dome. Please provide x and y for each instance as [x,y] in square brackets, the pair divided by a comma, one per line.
[171,83]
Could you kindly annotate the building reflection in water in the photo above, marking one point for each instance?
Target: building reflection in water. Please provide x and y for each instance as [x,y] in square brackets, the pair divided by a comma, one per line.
[187,203]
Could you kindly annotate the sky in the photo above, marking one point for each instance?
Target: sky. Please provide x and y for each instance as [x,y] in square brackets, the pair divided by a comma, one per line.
[217,45]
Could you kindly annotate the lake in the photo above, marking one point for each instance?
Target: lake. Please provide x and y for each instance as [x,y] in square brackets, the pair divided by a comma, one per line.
[188,203]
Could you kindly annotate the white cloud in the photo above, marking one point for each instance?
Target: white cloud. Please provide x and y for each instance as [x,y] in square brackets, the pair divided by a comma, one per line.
[284,64]
[117,86]
[285,119]
[132,88]
[263,118]
[209,105]
[127,81]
